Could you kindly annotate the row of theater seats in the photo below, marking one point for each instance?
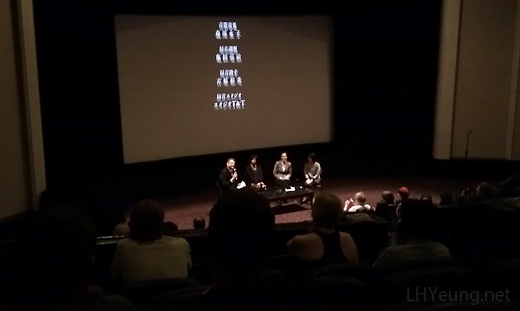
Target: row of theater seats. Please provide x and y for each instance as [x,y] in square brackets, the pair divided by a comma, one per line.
[359,287]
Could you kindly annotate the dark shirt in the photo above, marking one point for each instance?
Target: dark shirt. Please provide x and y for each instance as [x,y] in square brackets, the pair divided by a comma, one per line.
[332,252]
[254,176]
[225,180]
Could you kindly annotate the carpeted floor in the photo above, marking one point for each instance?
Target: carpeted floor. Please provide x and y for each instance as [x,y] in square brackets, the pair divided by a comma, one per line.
[182,209]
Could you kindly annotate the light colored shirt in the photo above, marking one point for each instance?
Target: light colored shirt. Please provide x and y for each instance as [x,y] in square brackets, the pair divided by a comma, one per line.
[167,257]
[355,208]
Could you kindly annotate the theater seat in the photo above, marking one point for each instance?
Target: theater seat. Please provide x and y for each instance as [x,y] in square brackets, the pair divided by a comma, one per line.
[141,293]
[416,285]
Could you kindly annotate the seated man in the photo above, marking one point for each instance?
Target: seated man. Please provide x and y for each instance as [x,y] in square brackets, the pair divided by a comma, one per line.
[148,254]
[228,177]
[241,226]
[414,239]
[282,172]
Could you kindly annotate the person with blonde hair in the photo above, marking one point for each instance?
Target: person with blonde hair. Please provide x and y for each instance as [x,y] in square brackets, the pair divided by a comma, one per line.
[324,244]
[358,204]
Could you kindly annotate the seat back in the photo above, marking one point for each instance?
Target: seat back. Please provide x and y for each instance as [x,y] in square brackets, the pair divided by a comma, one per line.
[141,293]
[415,284]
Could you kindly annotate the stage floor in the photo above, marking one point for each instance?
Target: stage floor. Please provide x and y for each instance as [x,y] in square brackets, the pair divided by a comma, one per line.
[182,209]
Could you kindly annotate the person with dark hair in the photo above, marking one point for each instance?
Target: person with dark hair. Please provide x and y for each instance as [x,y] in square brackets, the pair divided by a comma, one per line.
[386,207]
[57,263]
[254,176]
[199,222]
[414,239]
[147,254]
[402,193]
[228,177]
[312,171]
[169,227]
[324,244]
[426,197]
[485,191]
[240,232]
[282,172]
[446,198]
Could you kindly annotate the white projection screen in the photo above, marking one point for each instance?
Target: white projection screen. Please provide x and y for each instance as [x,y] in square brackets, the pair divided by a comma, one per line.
[195,85]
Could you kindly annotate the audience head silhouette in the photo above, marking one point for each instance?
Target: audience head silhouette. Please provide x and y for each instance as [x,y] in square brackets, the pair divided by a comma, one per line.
[146,221]
[417,218]
[403,193]
[241,224]
[58,263]
[388,196]
[199,222]
[326,210]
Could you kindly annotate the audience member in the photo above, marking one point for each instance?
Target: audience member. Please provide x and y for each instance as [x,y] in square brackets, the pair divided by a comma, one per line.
[58,262]
[312,171]
[386,207]
[358,204]
[282,172]
[254,176]
[199,222]
[324,244]
[426,197]
[446,199]
[169,227]
[414,239]
[402,194]
[241,226]
[485,191]
[147,254]
[482,191]
[122,228]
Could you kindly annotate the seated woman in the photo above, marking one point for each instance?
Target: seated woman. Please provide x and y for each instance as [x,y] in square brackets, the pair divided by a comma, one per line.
[312,171]
[254,176]
[324,244]
[358,204]
[147,254]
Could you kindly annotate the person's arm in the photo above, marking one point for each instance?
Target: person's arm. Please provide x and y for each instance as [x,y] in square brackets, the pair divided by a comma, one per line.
[348,204]
[317,173]
[306,171]
[249,176]
[275,172]
[349,247]
[296,246]
[260,174]
[289,169]
[225,181]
